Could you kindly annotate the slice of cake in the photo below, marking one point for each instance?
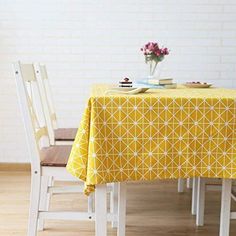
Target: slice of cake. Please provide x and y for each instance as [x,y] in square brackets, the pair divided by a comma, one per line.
[125,83]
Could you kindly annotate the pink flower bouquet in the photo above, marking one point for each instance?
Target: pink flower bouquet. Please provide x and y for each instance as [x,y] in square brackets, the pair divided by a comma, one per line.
[153,55]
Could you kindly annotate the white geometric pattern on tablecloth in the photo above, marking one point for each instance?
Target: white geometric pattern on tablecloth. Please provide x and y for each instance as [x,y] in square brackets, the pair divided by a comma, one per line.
[165,134]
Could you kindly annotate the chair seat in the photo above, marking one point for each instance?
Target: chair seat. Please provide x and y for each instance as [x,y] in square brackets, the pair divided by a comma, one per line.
[55,155]
[65,134]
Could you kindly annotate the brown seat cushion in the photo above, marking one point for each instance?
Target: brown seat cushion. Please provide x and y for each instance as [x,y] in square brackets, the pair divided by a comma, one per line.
[55,155]
[65,134]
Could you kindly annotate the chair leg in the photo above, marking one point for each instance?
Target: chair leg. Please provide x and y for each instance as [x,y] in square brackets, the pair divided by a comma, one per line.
[101,210]
[180,185]
[90,203]
[225,207]
[189,183]
[45,197]
[200,202]
[194,196]
[34,203]
[121,209]
[114,202]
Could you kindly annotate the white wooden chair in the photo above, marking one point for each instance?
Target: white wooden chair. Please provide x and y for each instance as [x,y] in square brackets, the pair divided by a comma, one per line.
[228,192]
[65,135]
[56,135]
[47,162]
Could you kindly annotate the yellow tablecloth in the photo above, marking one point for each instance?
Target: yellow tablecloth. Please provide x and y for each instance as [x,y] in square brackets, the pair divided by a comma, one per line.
[161,134]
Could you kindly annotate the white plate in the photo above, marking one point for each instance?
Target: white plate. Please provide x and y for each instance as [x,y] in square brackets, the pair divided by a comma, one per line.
[191,85]
[125,90]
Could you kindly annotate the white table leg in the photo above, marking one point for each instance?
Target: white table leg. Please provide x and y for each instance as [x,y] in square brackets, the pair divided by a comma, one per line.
[194,196]
[200,202]
[121,209]
[225,207]
[180,185]
[101,210]
[114,203]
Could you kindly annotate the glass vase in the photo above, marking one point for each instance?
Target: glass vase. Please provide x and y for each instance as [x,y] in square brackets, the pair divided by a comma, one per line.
[154,70]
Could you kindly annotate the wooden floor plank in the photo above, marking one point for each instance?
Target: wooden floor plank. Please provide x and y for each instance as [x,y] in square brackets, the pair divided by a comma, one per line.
[153,209]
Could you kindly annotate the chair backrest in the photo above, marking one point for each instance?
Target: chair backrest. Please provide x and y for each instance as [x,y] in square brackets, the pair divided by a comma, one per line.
[48,93]
[47,101]
[32,110]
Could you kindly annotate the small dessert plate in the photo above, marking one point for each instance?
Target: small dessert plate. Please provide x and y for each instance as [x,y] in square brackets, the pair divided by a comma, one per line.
[197,85]
[124,90]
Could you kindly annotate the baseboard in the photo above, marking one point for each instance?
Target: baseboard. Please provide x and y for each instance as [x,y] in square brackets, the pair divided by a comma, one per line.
[14,166]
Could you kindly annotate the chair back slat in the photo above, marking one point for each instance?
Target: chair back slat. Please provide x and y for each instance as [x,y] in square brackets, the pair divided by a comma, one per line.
[32,110]
[40,133]
[45,101]
[53,117]
[27,72]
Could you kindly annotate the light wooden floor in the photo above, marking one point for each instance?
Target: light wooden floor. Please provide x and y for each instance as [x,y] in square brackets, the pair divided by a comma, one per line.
[153,209]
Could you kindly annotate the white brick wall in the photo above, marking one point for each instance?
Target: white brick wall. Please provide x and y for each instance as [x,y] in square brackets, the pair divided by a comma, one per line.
[84,42]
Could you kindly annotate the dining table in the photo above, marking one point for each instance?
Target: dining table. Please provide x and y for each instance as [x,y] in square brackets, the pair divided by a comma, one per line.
[159,134]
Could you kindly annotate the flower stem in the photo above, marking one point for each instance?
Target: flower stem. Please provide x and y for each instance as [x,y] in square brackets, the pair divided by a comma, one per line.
[154,68]
[150,68]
